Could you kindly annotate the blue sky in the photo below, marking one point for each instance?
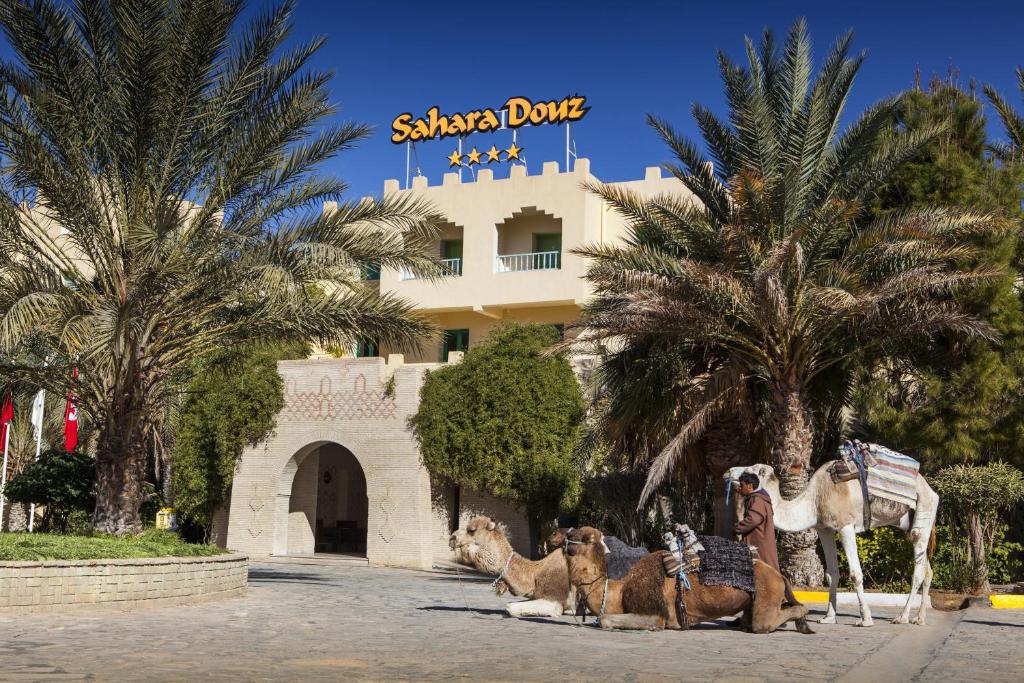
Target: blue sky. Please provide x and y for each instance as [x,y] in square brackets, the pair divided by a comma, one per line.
[628,58]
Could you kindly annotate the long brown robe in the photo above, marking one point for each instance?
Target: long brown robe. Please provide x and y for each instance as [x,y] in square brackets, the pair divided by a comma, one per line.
[757,527]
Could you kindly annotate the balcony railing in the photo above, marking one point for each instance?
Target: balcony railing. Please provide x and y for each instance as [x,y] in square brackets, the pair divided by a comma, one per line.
[538,260]
[451,267]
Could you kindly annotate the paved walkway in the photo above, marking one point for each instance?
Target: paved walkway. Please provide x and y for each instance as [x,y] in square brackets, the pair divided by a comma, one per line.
[358,623]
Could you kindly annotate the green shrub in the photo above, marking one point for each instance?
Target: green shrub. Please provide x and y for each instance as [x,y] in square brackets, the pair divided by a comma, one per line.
[63,482]
[230,403]
[152,543]
[887,560]
[505,421]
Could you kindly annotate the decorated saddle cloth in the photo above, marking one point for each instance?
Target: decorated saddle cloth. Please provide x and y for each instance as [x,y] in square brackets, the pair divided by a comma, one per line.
[726,563]
[893,476]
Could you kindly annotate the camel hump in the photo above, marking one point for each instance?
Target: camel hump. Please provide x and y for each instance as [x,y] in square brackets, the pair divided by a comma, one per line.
[642,591]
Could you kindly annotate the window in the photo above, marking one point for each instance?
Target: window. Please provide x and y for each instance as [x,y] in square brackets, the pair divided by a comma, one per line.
[545,243]
[451,249]
[371,271]
[366,349]
[451,254]
[454,340]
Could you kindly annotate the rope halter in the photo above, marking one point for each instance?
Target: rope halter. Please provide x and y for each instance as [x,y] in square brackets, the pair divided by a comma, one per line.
[501,574]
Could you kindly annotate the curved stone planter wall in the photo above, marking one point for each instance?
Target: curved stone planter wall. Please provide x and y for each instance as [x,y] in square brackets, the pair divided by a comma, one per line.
[120,584]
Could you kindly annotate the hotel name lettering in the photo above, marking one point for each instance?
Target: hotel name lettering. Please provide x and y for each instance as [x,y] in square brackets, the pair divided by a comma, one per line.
[520,111]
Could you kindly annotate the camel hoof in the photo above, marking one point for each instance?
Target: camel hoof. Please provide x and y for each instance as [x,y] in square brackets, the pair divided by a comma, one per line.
[900,620]
[918,620]
[828,619]
[865,623]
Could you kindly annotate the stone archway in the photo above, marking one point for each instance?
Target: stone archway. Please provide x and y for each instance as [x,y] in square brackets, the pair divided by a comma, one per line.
[322,502]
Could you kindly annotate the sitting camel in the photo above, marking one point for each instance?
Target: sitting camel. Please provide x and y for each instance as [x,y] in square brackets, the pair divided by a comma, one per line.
[647,598]
[829,507]
[546,581]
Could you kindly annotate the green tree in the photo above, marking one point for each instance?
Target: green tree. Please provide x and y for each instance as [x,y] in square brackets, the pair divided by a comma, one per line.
[953,400]
[230,403]
[63,482]
[771,281]
[160,201]
[973,499]
[505,421]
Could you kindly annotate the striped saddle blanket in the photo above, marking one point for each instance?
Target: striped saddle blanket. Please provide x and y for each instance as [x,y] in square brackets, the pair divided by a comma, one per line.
[893,476]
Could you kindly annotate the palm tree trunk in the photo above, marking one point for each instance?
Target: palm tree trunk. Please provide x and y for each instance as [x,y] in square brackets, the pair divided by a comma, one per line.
[120,474]
[727,444]
[791,446]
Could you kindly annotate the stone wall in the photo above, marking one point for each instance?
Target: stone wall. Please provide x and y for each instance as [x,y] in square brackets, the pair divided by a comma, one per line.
[120,584]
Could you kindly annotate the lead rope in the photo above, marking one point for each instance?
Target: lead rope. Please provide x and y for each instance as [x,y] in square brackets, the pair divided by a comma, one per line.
[473,613]
[501,574]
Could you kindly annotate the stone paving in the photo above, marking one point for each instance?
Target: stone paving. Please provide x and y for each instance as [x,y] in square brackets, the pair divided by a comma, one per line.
[313,622]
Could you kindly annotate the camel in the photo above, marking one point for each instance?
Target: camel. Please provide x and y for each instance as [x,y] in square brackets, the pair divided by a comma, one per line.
[546,581]
[830,508]
[647,599]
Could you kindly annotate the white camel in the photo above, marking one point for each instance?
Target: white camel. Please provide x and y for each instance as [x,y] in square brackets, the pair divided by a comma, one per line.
[829,508]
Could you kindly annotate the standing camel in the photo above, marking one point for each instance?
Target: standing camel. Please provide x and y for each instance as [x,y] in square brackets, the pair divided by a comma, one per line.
[647,598]
[829,508]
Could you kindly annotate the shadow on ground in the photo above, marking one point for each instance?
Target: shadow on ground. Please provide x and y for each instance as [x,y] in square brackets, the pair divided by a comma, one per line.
[264,576]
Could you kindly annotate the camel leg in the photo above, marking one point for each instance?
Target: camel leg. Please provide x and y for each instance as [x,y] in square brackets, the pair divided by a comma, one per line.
[928,574]
[534,608]
[767,618]
[919,539]
[632,622]
[849,538]
[828,544]
[570,602]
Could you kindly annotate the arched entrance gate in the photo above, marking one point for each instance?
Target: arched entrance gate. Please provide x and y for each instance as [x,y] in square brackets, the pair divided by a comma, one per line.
[328,508]
[341,472]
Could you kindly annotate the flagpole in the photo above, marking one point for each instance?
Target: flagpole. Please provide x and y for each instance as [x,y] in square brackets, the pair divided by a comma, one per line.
[38,422]
[3,477]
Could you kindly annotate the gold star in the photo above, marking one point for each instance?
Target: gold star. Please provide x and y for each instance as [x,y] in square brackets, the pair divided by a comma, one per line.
[493,154]
[513,153]
[454,159]
[474,157]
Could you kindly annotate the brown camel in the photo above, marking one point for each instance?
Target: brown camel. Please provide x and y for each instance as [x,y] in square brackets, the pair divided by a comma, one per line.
[546,581]
[647,599]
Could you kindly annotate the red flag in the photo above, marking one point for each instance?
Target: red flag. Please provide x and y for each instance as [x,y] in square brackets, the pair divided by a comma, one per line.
[71,419]
[6,415]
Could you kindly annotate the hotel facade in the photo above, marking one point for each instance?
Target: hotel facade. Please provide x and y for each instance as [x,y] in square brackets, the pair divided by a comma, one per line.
[341,473]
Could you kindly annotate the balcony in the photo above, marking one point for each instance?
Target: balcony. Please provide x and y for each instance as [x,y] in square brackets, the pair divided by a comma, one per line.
[452,268]
[536,260]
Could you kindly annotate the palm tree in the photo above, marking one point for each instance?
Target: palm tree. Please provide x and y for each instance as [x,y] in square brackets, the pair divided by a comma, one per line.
[1012,121]
[771,284]
[160,201]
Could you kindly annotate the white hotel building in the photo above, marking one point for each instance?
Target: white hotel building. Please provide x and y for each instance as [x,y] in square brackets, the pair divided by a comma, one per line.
[341,474]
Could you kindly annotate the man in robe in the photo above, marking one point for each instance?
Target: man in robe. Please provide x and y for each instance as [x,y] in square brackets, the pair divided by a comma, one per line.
[757,528]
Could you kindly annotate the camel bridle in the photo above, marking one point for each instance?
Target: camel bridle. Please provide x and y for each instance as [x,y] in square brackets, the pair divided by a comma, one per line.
[586,594]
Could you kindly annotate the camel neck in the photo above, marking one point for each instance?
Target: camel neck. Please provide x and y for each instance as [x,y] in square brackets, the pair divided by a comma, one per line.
[795,514]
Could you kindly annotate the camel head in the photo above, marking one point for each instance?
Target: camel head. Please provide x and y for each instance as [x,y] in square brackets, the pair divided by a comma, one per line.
[558,536]
[766,473]
[484,542]
[586,554]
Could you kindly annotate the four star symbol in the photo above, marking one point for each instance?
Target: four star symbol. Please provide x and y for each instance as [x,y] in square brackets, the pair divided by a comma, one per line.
[513,153]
